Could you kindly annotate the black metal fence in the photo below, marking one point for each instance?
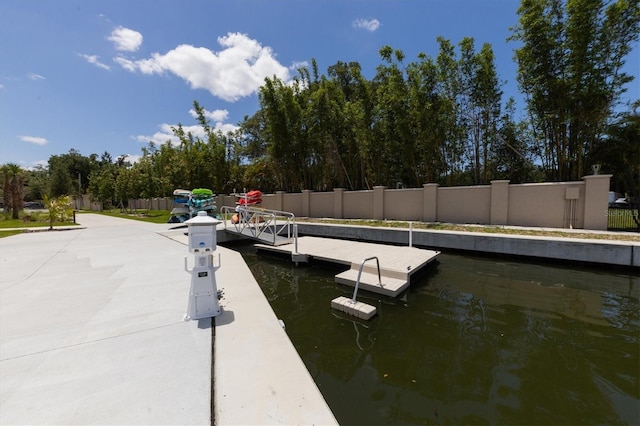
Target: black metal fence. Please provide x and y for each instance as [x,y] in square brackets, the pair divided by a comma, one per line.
[622,219]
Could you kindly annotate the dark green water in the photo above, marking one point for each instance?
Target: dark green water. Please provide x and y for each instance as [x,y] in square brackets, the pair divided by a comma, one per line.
[473,341]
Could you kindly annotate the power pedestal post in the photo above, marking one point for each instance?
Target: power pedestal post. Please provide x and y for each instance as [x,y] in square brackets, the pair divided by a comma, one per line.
[203,294]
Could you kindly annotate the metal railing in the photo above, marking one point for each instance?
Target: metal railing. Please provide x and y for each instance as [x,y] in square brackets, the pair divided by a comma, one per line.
[259,223]
[355,290]
[622,219]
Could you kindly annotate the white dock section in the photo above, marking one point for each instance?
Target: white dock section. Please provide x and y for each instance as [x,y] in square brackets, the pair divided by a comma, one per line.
[397,264]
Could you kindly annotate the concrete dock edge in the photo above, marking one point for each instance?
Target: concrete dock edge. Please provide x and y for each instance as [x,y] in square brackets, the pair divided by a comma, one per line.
[595,251]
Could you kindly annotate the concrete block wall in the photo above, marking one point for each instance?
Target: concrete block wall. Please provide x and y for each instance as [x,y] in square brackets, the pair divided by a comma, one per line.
[581,204]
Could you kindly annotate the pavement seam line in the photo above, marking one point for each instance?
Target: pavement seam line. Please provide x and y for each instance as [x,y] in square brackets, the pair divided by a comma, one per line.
[45,263]
[92,341]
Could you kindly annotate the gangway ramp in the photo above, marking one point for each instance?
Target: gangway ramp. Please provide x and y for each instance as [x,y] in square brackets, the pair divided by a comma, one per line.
[270,227]
[397,263]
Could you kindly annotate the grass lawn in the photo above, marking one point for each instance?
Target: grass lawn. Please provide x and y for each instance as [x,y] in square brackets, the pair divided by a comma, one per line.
[153,216]
[10,233]
[30,220]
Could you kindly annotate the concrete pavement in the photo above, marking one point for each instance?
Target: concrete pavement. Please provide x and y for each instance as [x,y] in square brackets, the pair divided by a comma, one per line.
[92,332]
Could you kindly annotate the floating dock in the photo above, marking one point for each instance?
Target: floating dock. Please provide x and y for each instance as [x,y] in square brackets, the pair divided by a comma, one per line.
[397,263]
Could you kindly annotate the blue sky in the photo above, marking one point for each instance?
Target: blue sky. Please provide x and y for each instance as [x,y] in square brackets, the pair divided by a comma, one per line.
[112,75]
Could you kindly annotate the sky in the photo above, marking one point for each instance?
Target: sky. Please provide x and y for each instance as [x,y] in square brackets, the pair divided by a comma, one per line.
[114,75]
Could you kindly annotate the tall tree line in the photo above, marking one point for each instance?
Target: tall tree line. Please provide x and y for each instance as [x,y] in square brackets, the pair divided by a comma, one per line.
[570,69]
[431,120]
[211,161]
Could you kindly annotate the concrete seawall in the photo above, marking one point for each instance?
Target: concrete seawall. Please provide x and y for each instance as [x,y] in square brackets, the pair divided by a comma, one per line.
[604,252]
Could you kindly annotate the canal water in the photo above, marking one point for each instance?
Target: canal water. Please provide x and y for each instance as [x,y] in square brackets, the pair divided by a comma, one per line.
[473,341]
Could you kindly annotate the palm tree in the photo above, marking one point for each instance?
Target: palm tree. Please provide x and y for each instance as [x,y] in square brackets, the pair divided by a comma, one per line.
[13,187]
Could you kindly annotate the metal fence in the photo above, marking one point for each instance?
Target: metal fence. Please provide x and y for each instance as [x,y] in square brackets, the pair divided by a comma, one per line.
[622,219]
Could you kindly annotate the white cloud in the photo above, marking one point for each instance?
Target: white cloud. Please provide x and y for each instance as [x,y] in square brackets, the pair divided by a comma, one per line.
[166,134]
[236,71]
[34,76]
[217,115]
[125,39]
[36,165]
[34,139]
[145,66]
[1,86]
[297,65]
[367,24]
[125,63]
[93,59]
[132,158]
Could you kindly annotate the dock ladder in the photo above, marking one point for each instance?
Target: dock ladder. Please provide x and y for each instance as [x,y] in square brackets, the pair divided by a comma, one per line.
[352,306]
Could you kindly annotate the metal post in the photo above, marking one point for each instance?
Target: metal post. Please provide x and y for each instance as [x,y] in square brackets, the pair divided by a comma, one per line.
[355,290]
[410,234]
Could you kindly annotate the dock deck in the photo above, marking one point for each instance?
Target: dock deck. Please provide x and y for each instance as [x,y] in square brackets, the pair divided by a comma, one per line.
[397,264]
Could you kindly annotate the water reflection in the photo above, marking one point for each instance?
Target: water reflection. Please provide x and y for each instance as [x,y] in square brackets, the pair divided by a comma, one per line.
[473,341]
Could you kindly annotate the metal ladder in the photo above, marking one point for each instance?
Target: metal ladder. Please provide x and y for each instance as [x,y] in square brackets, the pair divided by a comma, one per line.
[355,290]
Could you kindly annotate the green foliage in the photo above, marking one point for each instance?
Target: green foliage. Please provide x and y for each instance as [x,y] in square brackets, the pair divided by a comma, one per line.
[59,209]
[151,216]
[570,69]
[13,178]
[29,220]
[4,234]
[412,124]
[36,183]
[619,153]
[69,173]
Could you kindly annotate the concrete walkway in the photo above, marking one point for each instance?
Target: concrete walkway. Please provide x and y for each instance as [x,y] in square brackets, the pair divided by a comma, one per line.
[92,332]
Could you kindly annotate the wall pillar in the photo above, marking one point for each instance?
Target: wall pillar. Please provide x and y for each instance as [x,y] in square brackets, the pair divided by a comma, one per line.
[378,202]
[499,202]
[279,200]
[430,202]
[306,202]
[596,201]
[337,202]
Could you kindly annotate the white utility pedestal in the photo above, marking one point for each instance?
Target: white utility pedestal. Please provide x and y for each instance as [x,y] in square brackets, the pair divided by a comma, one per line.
[203,295]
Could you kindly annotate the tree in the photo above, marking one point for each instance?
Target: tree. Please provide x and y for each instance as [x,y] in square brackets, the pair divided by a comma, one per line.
[570,69]
[511,155]
[618,152]
[59,208]
[425,104]
[353,139]
[37,183]
[485,100]
[453,134]
[204,161]
[13,188]
[102,185]
[393,150]
[60,179]
[288,156]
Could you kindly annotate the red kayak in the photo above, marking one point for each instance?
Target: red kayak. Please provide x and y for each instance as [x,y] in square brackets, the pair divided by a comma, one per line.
[250,198]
